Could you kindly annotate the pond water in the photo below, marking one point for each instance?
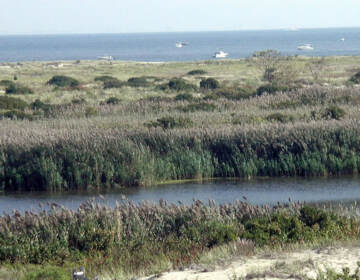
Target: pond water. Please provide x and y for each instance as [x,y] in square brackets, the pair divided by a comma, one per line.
[256,191]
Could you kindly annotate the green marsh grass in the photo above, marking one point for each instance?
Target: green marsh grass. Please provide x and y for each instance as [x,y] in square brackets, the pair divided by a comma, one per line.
[146,238]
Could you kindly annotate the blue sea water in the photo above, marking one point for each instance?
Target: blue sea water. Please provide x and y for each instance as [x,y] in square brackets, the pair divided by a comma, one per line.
[161,46]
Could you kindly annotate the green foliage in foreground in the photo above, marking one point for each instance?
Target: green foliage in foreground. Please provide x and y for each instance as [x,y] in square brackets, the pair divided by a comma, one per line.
[135,237]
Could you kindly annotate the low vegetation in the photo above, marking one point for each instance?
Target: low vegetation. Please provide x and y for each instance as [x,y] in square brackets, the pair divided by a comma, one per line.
[137,239]
[63,81]
[135,124]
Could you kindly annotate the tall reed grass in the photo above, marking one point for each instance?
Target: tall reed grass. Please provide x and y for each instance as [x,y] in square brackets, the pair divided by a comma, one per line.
[135,237]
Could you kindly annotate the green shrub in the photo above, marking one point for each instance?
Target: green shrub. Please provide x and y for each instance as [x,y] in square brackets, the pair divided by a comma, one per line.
[18,89]
[197,72]
[78,101]
[179,84]
[39,105]
[115,83]
[279,117]
[63,81]
[209,83]
[355,78]
[202,106]
[184,97]
[90,112]
[270,89]
[231,93]
[112,100]
[16,115]
[170,122]
[10,103]
[137,82]
[6,83]
[104,78]
[334,112]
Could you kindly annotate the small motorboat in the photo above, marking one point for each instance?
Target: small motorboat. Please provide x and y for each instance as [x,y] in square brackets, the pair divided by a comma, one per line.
[305,47]
[220,54]
[342,39]
[181,44]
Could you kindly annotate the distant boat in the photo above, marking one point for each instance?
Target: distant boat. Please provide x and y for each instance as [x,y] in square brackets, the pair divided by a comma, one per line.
[342,39]
[305,47]
[181,44]
[220,54]
[106,57]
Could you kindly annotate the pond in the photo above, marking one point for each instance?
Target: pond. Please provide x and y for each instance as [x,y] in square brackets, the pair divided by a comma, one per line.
[256,191]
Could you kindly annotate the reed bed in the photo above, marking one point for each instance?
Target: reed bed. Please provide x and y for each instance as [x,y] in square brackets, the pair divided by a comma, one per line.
[136,238]
[54,158]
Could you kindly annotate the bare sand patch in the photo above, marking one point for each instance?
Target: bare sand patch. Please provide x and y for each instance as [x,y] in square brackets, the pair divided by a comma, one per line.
[286,265]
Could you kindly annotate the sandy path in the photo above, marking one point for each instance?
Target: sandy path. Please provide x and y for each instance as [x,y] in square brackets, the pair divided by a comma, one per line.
[287,265]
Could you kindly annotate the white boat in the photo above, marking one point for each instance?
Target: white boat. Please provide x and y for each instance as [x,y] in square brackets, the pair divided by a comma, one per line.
[342,39]
[106,57]
[305,47]
[181,44]
[220,54]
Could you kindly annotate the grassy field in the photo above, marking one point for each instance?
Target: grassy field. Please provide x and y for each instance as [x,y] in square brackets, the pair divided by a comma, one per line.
[131,123]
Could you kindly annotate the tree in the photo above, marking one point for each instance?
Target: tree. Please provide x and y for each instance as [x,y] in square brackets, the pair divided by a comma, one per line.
[268,61]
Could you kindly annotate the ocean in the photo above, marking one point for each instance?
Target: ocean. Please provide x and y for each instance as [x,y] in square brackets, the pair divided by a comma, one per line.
[161,46]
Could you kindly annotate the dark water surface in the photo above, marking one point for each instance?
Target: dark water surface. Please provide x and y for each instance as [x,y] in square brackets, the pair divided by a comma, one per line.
[161,46]
[257,191]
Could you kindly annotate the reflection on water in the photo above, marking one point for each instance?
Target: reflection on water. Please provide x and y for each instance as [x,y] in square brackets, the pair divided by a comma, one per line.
[257,191]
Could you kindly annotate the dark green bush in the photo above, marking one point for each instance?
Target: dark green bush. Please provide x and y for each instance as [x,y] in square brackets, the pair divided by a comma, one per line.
[6,83]
[112,100]
[39,105]
[334,112]
[280,117]
[104,78]
[90,112]
[115,83]
[18,89]
[202,106]
[179,84]
[231,93]
[138,82]
[197,72]
[63,81]
[78,101]
[209,83]
[271,89]
[10,103]
[184,97]
[170,122]
[16,115]
[355,78]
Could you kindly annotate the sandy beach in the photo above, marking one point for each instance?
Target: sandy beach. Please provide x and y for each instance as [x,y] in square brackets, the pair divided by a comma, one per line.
[299,264]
